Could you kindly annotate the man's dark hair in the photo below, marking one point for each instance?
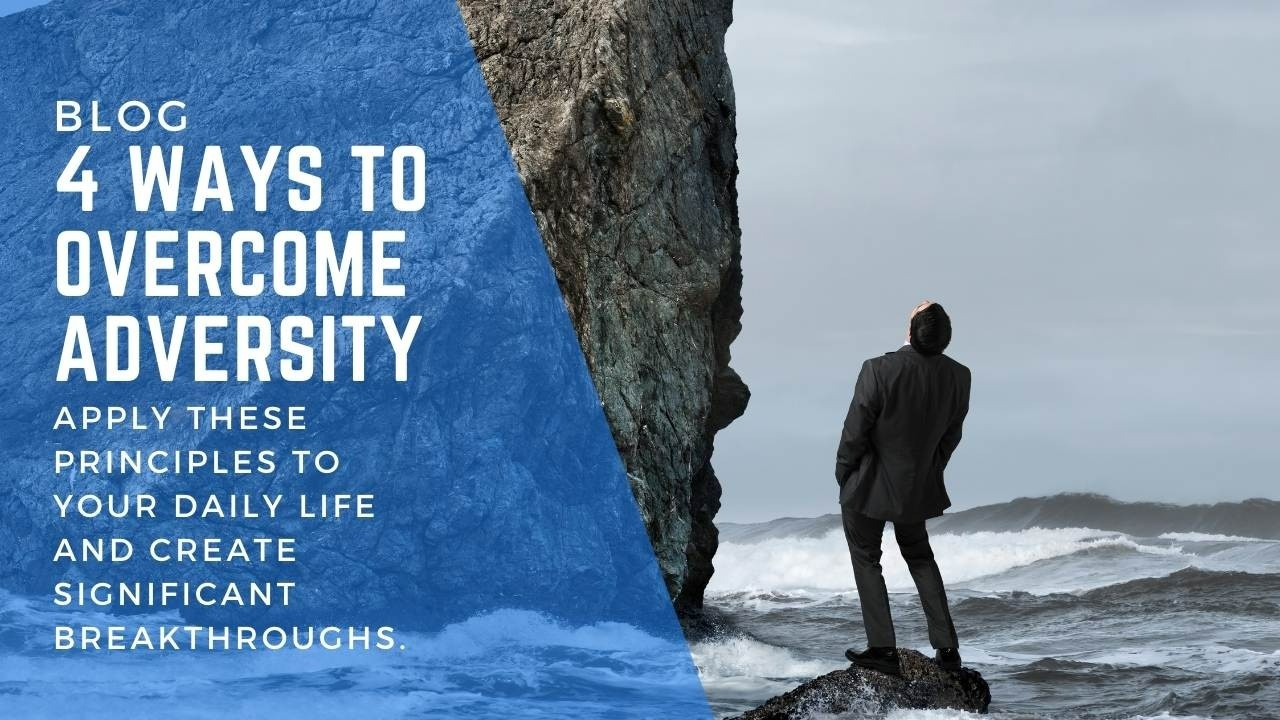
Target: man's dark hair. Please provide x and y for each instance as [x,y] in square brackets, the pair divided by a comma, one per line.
[931,330]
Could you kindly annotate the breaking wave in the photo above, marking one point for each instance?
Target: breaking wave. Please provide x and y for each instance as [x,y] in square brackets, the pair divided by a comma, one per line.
[1036,560]
[1255,518]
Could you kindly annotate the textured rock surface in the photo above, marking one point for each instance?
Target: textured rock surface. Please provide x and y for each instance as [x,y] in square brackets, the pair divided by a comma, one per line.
[621,120]
[922,685]
[621,117]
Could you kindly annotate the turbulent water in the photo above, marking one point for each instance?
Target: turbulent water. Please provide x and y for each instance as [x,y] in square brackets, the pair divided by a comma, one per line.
[508,663]
[1124,621]
[1064,622]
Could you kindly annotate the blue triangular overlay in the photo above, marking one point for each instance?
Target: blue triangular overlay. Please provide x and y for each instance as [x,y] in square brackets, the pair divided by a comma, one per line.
[8,7]
[505,550]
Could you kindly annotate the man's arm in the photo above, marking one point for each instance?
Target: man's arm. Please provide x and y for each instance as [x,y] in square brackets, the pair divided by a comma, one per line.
[951,438]
[855,439]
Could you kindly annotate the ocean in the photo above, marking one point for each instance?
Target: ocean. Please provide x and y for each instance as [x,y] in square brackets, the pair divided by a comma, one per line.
[1070,606]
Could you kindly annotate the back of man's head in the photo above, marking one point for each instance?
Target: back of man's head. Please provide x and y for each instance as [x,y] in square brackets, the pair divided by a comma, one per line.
[930,330]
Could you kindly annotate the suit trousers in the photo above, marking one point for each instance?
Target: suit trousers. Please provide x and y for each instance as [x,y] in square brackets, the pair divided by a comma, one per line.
[864,536]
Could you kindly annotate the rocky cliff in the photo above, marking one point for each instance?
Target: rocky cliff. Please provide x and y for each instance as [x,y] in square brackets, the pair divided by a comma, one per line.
[620,117]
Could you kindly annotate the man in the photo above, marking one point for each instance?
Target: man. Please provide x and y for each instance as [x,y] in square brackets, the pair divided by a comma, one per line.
[903,424]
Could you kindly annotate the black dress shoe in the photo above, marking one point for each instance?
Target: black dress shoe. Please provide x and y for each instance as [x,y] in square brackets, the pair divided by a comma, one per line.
[884,659]
[947,658]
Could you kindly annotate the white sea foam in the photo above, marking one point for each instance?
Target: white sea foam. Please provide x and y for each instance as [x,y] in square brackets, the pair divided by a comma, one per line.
[1255,556]
[822,564]
[744,665]
[510,628]
[1219,658]
[962,715]
[935,715]
[1209,537]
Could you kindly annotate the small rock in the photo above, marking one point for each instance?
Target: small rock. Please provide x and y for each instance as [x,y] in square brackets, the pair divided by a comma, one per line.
[922,685]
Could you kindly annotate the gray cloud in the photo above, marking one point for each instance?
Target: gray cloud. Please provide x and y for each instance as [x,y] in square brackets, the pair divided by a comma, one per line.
[1088,187]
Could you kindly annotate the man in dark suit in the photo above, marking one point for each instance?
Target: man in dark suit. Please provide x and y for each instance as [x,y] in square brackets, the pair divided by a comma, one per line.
[903,424]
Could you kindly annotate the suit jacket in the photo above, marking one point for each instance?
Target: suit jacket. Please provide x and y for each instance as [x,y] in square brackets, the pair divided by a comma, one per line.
[903,424]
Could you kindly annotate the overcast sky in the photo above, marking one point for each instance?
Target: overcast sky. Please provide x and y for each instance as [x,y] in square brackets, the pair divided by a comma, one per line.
[1090,188]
